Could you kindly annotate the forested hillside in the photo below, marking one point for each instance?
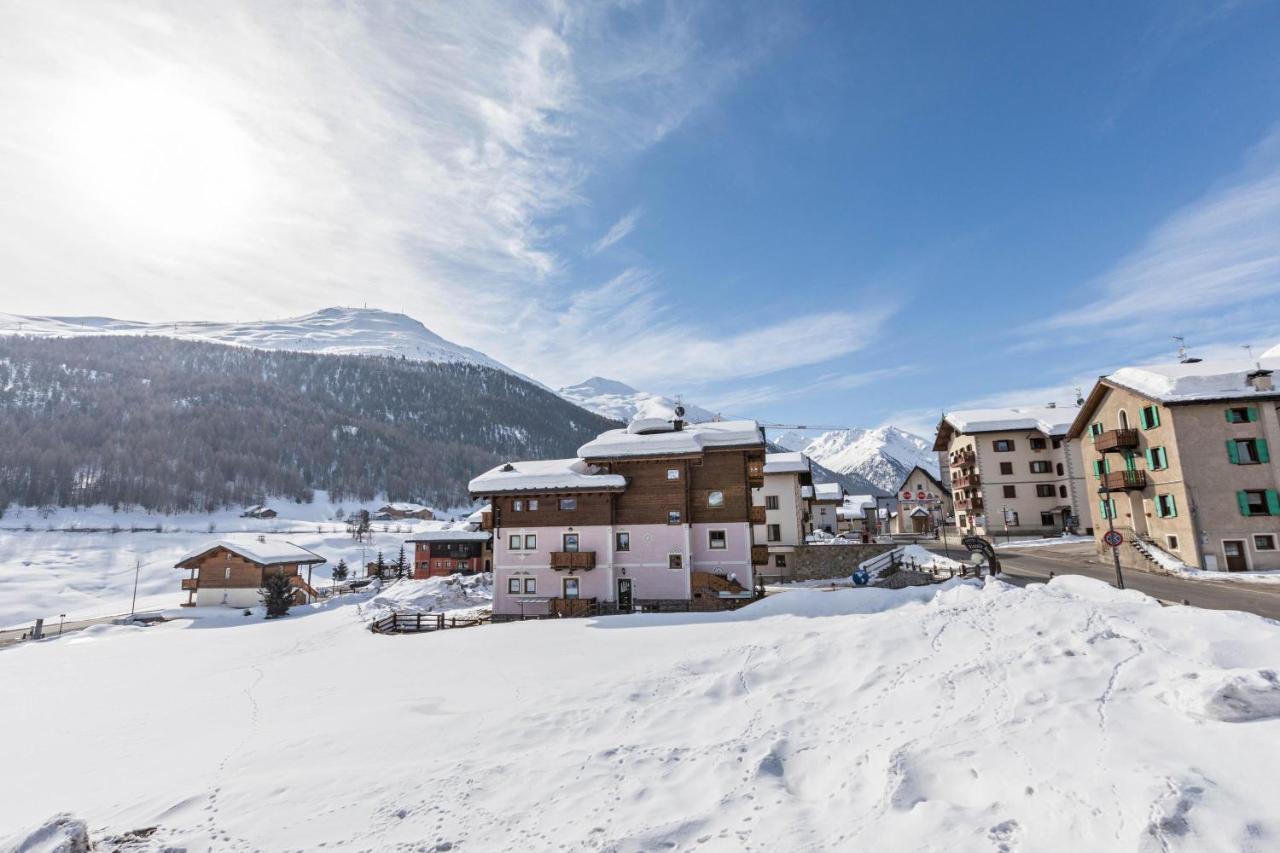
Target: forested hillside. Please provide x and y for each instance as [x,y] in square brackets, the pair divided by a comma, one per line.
[173,425]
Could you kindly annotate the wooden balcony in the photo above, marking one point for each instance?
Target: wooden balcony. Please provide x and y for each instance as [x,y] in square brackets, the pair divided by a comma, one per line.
[191,584]
[759,555]
[970,504]
[964,458]
[1119,481]
[1116,440]
[758,515]
[580,560]
[966,481]
[755,472]
[486,521]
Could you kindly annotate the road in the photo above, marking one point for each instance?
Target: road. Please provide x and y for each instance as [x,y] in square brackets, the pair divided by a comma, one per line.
[1033,565]
[15,635]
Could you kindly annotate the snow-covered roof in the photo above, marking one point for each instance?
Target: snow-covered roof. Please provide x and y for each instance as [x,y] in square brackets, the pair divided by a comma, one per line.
[694,438]
[1201,380]
[786,463]
[401,506]
[806,491]
[478,516]
[856,506]
[545,475]
[1050,420]
[828,492]
[450,534]
[1274,352]
[271,553]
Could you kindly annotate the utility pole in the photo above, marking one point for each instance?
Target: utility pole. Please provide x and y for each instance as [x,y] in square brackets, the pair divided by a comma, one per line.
[137,567]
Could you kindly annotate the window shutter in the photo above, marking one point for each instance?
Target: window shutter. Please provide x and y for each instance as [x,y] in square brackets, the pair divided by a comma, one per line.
[1264,455]
[1253,414]
[1273,502]
[1230,418]
[1151,459]
[1242,498]
[1102,508]
[1173,508]
[1233,452]
[1164,457]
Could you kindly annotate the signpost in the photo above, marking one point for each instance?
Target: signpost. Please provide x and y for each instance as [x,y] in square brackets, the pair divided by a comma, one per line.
[1112,537]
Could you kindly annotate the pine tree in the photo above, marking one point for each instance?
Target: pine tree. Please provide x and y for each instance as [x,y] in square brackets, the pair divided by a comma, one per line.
[380,566]
[340,572]
[277,594]
[401,564]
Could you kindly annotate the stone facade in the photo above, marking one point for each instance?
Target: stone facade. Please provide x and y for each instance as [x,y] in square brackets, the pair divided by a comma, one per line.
[818,562]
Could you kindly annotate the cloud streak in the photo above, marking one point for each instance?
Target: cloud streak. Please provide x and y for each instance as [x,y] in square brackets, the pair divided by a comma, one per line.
[618,231]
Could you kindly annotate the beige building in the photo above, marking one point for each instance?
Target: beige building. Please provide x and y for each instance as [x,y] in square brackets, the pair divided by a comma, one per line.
[781,508]
[1014,469]
[924,503]
[1179,458]
[827,500]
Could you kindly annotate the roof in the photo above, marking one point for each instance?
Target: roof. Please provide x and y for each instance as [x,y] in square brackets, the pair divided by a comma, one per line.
[1050,420]
[402,506]
[478,516]
[828,492]
[659,438]
[902,486]
[262,553]
[1202,380]
[452,534]
[546,475]
[786,463]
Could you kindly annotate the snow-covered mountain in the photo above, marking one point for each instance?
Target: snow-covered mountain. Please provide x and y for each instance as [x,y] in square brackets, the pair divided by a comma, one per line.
[332,331]
[621,402]
[881,456]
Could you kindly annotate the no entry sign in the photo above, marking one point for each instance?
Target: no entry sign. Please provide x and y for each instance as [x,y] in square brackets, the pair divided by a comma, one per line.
[1113,538]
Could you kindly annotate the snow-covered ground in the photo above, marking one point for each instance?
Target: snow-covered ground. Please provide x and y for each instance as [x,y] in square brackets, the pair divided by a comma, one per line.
[453,594]
[1060,717]
[72,562]
[1170,564]
[920,557]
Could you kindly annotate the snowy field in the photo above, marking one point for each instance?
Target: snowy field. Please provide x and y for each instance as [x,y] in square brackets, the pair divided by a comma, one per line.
[71,562]
[968,716]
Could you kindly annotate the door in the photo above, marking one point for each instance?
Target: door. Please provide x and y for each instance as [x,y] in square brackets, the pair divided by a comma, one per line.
[1233,550]
[624,593]
[571,542]
[570,587]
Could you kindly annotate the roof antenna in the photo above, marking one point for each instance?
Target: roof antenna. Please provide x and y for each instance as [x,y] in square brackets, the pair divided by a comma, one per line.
[1183,356]
[1079,397]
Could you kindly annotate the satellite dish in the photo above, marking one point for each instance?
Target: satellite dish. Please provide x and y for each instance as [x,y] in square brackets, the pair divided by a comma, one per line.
[679,411]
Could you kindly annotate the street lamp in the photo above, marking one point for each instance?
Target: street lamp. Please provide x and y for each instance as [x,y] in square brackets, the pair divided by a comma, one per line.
[61,617]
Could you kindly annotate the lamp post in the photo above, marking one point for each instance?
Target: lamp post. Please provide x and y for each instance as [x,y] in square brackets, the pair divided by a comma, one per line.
[137,567]
[61,617]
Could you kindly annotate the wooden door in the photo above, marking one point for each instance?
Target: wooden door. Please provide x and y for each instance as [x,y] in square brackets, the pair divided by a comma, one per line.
[1233,549]
[624,593]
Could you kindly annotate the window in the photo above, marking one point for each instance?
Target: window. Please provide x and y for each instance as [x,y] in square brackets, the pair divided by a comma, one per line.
[516,543]
[1002,445]
[1107,508]
[1010,518]
[770,501]
[1006,467]
[673,473]
[513,586]
[1062,491]
[1046,519]
[570,587]
[571,542]
[1242,415]
[673,517]
[1149,417]
[1173,542]
[568,504]
[1258,502]
[1157,459]
[1057,444]
[1100,467]
[530,541]
[1010,491]
[533,504]
[717,540]
[622,541]
[675,561]
[1041,467]
[1060,470]
[961,521]
[530,586]
[1247,451]
[1166,506]
[715,499]
[1037,444]
[1044,490]
[1264,542]
[1095,429]
[774,533]
[779,561]
[517,505]
[1124,419]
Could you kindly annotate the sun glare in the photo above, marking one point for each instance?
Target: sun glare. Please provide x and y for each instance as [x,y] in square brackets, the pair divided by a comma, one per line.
[157,161]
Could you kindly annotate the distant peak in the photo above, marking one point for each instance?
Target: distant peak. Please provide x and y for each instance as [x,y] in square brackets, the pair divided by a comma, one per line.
[600,385]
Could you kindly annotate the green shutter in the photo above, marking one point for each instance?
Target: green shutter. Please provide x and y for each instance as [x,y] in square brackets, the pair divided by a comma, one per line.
[1151,459]
[1230,417]
[1233,452]
[1164,457]
[1264,455]
[1242,498]
[1273,502]
[1097,469]
[1253,414]
[1168,508]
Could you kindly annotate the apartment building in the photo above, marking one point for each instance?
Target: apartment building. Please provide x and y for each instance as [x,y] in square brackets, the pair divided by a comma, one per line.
[782,508]
[659,511]
[1179,458]
[1014,470]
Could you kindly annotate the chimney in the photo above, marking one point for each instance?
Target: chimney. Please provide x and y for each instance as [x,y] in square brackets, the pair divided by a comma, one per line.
[1260,380]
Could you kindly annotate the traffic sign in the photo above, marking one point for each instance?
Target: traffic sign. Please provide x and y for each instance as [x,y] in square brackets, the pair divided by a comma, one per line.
[1113,538]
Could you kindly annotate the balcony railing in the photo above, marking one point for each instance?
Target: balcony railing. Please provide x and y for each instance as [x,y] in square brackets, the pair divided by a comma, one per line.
[190,583]
[759,555]
[962,458]
[584,560]
[1117,481]
[1115,440]
[970,504]
[755,471]
[966,481]
[758,515]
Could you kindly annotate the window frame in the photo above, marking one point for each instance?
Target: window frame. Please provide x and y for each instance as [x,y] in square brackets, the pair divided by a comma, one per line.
[530,586]
[773,533]
[772,502]
[577,542]
[515,542]
[517,505]
[531,504]
[673,473]
[1270,538]
[1038,443]
[567,504]
[673,516]
[1046,467]
[530,542]
[1172,541]
[724,540]
[675,561]
[622,540]
[996,448]
[1006,469]
[1010,491]
[1046,490]
[711,502]
[513,586]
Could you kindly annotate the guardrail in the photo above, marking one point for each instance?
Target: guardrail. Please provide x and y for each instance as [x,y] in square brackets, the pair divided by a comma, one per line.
[881,562]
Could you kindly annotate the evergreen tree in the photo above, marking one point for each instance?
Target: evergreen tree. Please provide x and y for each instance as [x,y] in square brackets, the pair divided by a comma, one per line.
[340,572]
[380,566]
[401,565]
[277,594]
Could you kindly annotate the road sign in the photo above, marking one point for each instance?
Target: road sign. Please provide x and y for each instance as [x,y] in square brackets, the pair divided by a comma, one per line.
[1113,538]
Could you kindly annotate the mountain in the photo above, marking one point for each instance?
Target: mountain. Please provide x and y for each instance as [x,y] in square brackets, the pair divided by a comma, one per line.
[621,402]
[176,425]
[332,331]
[878,458]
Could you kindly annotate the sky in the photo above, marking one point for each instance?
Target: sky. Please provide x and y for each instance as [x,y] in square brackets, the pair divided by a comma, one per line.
[837,213]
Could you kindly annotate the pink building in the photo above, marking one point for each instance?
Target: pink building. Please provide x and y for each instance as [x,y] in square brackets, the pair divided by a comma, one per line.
[657,512]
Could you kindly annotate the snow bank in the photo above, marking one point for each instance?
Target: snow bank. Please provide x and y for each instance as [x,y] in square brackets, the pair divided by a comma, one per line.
[962,717]
[1065,539]
[1170,564]
[431,595]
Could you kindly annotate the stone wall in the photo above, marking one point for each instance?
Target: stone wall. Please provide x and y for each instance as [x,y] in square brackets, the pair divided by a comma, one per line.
[818,562]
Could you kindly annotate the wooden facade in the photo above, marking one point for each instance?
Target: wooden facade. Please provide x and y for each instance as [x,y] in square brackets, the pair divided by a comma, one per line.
[220,568]
[441,558]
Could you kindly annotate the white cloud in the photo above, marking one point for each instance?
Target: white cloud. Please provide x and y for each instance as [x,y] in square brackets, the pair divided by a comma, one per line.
[616,232]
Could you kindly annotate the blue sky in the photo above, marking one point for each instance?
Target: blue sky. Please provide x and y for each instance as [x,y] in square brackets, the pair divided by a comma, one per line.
[805,212]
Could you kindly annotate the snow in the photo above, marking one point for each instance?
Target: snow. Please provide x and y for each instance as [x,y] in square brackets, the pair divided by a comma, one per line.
[454,593]
[881,457]
[828,492]
[537,475]
[963,716]
[272,552]
[786,463]
[1204,380]
[456,533]
[1064,539]
[1170,564]
[621,402]
[332,331]
[1274,352]
[694,438]
[856,506]
[923,558]
[1050,420]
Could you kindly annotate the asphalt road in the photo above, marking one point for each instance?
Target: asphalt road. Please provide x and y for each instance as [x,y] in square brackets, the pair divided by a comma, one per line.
[1033,565]
[9,637]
